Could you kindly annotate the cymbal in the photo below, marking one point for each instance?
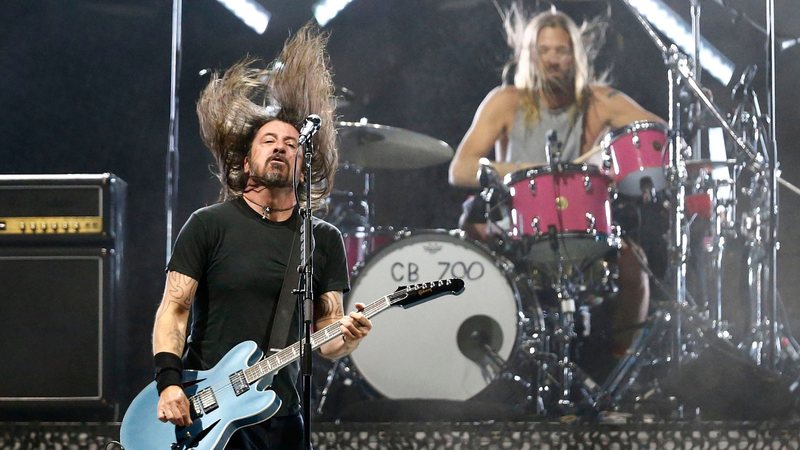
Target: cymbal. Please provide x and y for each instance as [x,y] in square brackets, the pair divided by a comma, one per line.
[373,146]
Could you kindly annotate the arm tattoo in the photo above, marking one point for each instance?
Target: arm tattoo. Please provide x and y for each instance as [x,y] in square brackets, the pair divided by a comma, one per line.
[181,290]
[612,93]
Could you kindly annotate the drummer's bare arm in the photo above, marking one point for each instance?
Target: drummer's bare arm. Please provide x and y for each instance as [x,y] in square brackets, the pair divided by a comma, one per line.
[491,123]
[354,326]
[617,109]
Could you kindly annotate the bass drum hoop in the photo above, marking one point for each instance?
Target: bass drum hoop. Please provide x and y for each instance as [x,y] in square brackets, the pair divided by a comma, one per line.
[447,375]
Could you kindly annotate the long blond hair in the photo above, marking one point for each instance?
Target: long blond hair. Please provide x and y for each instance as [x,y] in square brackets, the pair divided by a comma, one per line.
[236,103]
[522,32]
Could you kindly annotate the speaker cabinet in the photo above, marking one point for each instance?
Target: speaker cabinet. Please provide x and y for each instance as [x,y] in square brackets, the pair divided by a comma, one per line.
[57,329]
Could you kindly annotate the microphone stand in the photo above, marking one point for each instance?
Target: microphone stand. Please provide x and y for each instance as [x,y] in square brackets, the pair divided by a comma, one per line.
[305,291]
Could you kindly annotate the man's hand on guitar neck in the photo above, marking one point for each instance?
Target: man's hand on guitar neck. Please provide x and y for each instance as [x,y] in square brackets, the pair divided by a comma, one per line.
[173,406]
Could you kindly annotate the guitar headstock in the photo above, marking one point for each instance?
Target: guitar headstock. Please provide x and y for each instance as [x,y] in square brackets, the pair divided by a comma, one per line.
[408,296]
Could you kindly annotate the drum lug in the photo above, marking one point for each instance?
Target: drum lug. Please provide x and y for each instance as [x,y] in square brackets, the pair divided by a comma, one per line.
[587,183]
[532,186]
[635,139]
[535,226]
[607,161]
[591,224]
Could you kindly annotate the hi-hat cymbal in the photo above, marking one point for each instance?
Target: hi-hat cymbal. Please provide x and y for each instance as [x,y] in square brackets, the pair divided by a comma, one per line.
[373,146]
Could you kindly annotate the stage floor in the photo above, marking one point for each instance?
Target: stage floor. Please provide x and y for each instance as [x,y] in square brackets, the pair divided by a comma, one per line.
[774,434]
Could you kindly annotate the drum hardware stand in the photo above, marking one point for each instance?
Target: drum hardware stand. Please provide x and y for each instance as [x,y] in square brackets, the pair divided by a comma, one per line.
[681,79]
[558,367]
[341,369]
[654,348]
[337,366]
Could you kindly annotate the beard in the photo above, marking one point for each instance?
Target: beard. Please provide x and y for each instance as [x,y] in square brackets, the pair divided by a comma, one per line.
[272,177]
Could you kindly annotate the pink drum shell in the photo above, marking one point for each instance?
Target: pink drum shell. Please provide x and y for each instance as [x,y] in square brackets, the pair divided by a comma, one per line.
[584,193]
[633,152]
[576,201]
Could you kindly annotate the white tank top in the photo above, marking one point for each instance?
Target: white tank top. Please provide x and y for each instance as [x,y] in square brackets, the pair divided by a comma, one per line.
[527,141]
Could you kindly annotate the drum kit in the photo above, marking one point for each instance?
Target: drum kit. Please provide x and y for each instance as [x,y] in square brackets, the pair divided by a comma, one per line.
[527,307]
[532,291]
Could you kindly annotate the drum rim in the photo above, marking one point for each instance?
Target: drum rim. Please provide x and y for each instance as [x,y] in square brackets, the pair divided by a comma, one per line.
[637,125]
[352,231]
[571,168]
[573,235]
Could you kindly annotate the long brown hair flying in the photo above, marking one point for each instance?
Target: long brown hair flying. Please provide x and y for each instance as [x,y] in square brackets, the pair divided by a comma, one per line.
[236,103]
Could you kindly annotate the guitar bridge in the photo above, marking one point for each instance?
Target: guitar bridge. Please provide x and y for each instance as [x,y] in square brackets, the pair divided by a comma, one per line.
[239,383]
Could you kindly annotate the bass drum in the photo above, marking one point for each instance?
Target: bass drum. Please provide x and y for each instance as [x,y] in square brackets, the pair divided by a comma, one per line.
[447,348]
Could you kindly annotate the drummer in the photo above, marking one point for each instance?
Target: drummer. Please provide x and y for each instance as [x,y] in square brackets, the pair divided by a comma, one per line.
[554,88]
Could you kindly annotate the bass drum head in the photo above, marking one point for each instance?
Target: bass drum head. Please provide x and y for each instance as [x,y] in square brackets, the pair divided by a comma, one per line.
[435,350]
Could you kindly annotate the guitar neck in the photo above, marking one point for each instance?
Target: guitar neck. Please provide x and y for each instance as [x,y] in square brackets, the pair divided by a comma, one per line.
[408,296]
[291,353]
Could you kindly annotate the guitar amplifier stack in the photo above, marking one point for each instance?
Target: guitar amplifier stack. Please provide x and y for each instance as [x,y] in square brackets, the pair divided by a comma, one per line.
[61,246]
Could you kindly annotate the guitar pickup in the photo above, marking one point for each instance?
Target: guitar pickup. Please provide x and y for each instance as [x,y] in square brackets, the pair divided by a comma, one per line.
[239,383]
[204,402]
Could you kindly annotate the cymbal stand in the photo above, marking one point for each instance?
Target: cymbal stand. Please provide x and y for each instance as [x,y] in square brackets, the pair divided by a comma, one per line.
[667,326]
[721,213]
[772,243]
[749,119]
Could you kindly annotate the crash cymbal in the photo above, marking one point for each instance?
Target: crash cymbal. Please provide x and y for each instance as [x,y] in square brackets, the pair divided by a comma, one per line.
[373,146]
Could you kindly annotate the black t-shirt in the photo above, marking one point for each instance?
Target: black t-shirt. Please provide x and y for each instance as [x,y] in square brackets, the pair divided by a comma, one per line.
[239,260]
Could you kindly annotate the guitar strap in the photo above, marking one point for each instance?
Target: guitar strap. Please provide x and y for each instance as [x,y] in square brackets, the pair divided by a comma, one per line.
[287,302]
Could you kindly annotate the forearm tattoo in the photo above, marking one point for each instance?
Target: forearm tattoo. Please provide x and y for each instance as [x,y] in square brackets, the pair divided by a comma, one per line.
[612,93]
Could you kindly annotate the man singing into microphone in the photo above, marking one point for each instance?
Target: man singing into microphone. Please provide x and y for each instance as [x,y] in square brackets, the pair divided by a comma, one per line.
[554,91]
[231,259]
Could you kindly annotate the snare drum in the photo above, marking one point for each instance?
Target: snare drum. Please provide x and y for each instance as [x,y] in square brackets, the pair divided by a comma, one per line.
[635,157]
[435,350]
[562,214]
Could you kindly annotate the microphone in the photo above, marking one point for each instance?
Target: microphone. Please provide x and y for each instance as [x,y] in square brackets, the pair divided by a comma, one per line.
[745,84]
[553,149]
[309,128]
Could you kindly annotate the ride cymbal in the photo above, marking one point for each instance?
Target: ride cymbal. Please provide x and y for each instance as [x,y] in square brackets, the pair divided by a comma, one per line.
[373,146]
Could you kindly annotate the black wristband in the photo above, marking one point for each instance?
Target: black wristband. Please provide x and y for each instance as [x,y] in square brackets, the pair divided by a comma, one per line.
[169,368]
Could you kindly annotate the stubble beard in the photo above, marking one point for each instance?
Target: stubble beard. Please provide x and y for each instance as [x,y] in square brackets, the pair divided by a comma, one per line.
[272,178]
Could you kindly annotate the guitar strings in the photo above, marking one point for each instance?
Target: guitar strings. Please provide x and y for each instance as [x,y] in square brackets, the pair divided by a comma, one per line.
[368,311]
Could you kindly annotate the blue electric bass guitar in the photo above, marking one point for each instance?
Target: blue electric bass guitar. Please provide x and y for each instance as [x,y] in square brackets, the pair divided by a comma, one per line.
[235,393]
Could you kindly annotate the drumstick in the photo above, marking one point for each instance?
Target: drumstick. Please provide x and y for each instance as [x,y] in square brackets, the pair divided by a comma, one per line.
[587,155]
